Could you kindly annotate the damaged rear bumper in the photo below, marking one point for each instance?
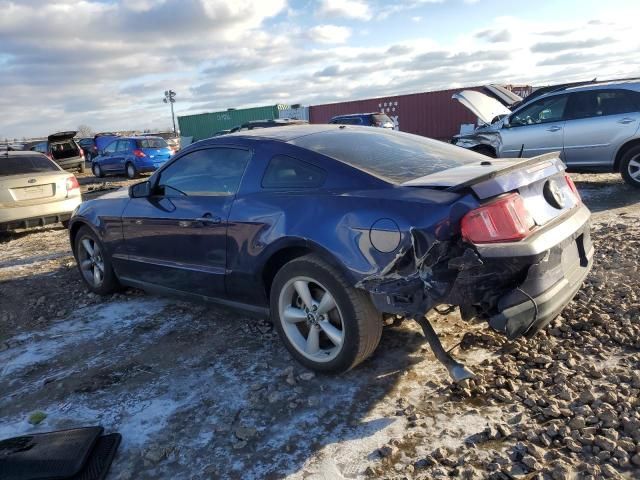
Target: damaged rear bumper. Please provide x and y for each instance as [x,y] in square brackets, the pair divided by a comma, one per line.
[519,287]
[563,257]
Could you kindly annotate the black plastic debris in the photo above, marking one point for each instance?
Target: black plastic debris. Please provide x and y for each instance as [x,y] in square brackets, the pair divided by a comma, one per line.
[75,454]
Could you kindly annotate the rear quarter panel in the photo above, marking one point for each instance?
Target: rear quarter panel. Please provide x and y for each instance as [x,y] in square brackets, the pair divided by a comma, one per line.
[334,220]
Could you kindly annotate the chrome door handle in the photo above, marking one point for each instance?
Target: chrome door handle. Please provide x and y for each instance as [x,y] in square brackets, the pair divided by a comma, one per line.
[626,120]
[554,129]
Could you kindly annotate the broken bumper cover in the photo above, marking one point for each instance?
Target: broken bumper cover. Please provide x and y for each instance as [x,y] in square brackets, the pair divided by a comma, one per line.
[519,287]
[561,259]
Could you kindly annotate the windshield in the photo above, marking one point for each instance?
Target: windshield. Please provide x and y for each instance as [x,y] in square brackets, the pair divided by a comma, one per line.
[393,156]
[152,143]
[26,164]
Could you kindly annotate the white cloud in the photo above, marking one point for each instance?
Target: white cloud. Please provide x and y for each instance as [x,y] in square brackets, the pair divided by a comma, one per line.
[329,34]
[344,9]
[109,70]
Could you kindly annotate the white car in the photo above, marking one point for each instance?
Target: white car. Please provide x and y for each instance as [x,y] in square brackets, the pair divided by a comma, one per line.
[35,191]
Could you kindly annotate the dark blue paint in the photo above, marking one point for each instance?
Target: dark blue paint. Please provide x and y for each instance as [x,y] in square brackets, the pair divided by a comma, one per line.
[158,242]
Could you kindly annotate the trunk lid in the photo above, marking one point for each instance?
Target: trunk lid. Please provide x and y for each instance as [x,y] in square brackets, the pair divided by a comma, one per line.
[61,136]
[481,105]
[32,189]
[539,181]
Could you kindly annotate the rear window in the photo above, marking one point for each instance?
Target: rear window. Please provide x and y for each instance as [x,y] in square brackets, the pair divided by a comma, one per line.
[380,118]
[396,157]
[152,143]
[25,164]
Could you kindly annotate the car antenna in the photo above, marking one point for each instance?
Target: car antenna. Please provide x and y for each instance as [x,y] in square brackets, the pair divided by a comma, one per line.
[521,151]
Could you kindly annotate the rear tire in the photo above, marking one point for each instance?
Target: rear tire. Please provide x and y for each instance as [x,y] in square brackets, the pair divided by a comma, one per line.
[630,166]
[82,168]
[131,170]
[97,171]
[93,263]
[347,326]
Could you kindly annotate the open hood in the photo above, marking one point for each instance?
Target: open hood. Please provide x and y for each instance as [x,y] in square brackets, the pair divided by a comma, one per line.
[482,106]
[61,136]
[503,95]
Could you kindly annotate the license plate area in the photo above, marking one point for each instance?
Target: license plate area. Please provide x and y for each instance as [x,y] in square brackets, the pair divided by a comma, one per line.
[33,193]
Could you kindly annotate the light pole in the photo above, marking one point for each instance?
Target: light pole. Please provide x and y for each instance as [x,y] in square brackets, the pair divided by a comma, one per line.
[170,98]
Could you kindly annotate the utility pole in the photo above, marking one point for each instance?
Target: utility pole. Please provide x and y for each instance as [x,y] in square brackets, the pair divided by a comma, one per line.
[170,98]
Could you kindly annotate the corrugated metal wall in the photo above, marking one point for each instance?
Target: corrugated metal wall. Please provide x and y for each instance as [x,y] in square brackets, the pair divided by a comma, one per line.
[293,112]
[430,114]
[205,125]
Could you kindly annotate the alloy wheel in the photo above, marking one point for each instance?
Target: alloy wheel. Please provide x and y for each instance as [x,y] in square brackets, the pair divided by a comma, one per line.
[91,261]
[634,168]
[311,320]
[131,172]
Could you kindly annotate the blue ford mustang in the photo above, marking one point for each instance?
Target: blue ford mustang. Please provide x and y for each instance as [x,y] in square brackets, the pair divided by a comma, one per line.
[327,228]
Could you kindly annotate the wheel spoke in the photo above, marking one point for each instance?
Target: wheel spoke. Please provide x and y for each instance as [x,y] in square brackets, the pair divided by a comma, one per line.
[294,315]
[634,163]
[97,276]
[100,266]
[302,288]
[85,264]
[313,341]
[332,332]
[86,243]
[635,175]
[326,304]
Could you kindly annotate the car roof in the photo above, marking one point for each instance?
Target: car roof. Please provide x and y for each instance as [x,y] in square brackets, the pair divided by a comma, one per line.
[18,153]
[283,134]
[357,114]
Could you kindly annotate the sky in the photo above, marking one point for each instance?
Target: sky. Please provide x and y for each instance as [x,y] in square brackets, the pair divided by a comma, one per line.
[106,64]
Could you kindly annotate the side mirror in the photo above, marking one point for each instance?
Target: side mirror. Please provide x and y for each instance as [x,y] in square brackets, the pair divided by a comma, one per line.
[140,190]
[100,152]
[506,123]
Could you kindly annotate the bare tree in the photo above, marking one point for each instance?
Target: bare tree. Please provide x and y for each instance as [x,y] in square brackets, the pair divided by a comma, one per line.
[85,131]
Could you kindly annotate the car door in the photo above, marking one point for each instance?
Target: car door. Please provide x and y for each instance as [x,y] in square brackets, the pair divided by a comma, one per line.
[598,123]
[176,237]
[118,159]
[105,159]
[535,129]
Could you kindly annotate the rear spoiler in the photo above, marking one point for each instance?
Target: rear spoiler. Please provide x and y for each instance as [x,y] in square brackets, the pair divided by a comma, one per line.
[514,176]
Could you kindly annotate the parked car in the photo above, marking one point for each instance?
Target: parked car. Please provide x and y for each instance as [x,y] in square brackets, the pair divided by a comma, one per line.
[131,156]
[62,149]
[89,148]
[35,191]
[595,127]
[375,119]
[326,228]
[101,140]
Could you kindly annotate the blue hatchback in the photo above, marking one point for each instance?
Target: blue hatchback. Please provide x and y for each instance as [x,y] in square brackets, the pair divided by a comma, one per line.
[132,156]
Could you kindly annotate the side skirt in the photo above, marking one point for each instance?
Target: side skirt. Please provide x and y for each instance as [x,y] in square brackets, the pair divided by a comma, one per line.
[253,310]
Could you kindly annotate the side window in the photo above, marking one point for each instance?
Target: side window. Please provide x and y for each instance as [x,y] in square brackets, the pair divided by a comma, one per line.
[288,172]
[111,148]
[123,145]
[546,110]
[41,147]
[209,172]
[616,102]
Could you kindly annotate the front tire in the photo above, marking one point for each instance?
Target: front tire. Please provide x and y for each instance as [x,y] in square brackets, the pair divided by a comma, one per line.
[97,171]
[131,171]
[630,166]
[82,168]
[325,323]
[93,263]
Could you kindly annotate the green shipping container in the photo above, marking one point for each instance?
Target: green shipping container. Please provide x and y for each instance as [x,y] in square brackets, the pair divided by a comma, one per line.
[205,125]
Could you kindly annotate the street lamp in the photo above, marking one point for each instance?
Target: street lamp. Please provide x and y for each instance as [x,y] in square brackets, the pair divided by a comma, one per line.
[170,98]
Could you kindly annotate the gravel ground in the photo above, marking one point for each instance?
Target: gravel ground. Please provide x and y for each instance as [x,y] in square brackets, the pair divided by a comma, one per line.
[201,392]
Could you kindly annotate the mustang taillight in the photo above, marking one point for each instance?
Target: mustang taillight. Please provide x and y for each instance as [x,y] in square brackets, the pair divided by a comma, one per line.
[573,188]
[72,183]
[504,220]
[139,153]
